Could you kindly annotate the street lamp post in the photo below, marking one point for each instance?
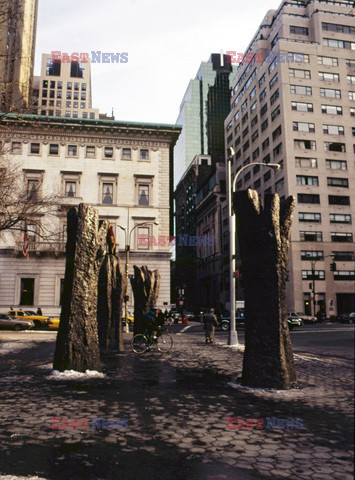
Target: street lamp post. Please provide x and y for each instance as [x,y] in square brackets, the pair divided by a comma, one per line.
[313,269]
[233,337]
[128,234]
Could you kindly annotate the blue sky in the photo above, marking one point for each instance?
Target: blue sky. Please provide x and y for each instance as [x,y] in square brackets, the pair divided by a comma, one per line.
[166,42]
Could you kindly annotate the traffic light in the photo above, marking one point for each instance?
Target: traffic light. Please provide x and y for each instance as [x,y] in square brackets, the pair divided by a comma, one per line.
[333,267]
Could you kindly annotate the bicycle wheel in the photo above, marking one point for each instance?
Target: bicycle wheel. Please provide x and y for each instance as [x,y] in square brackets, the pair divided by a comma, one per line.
[164,343]
[139,343]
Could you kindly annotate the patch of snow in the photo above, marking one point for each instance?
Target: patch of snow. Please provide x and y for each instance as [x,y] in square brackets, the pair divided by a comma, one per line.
[9,347]
[269,392]
[13,477]
[316,359]
[73,375]
[239,348]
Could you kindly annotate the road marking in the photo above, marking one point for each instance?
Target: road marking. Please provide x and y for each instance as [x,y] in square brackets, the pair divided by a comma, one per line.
[325,331]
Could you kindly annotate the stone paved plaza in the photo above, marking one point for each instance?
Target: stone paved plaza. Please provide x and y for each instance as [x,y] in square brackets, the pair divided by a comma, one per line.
[169,417]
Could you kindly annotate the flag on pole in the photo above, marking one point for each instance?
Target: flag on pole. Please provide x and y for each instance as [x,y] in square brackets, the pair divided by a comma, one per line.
[111,240]
[26,241]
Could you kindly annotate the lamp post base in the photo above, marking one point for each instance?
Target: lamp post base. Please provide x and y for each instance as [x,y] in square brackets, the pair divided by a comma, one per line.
[126,328]
[233,338]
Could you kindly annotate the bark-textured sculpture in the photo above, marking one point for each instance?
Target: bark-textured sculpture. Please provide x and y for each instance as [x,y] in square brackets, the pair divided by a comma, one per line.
[263,235]
[77,346]
[112,286]
[145,285]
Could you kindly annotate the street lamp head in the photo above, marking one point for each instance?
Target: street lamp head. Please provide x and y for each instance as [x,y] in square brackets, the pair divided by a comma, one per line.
[275,167]
[122,228]
[231,151]
[156,223]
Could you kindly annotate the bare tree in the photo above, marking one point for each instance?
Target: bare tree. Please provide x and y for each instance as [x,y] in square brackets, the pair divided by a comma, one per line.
[23,200]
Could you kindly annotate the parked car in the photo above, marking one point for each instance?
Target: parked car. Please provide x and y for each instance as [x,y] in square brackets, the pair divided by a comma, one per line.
[38,320]
[130,318]
[12,323]
[307,318]
[347,317]
[224,321]
[53,324]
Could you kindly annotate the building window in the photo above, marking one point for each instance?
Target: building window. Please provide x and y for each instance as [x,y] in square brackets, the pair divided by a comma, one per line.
[143,238]
[255,136]
[277,150]
[53,67]
[298,73]
[126,154]
[77,70]
[143,194]
[265,144]
[58,103]
[247,177]
[273,81]
[276,133]
[303,127]
[16,148]
[246,146]
[351,79]
[306,162]
[343,256]
[330,93]
[76,96]
[264,125]
[72,150]
[83,87]
[338,200]
[256,153]
[332,61]
[254,122]
[262,95]
[70,189]
[311,236]
[33,189]
[308,198]
[332,42]
[27,289]
[263,110]
[253,107]
[279,185]
[308,275]
[337,182]
[245,132]
[344,275]
[85,115]
[107,193]
[335,27]
[53,149]
[262,80]
[304,144]
[341,237]
[301,89]
[59,94]
[252,93]
[35,148]
[302,106]
[267,176]
[336,164]
[68,104]
[44,93]
[333,129]
[92,115]
[82,105]
[67,113]
[108,152]
[332,109]
[335,147]
[309,217]
[75,104]
[274,97]
[297,30]
[307,180]
[90,152]
[312,255]
[245,118]
[339,218]
[329,77]
[272,65]
[351,95]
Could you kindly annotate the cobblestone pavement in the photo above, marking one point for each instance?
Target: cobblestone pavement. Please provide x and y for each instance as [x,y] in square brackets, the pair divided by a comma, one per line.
[172,411]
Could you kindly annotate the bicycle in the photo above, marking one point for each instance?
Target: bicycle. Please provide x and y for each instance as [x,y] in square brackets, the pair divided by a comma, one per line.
[140,343]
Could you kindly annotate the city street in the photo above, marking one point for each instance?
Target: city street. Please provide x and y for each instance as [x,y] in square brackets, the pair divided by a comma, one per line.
[176,414]
[329,340]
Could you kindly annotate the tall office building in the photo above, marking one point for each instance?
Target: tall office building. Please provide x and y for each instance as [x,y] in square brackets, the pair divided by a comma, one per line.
[64,88]
[18,23]
[193,116]
[294,104]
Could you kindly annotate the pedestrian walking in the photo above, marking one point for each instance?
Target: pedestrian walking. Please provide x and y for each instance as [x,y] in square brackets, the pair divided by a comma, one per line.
[210,323]
[39,311]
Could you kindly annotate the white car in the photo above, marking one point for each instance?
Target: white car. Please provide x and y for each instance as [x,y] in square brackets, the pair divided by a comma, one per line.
[11,323]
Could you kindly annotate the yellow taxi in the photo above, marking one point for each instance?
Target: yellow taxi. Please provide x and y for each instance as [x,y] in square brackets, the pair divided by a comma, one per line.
[130,318]
[53,324]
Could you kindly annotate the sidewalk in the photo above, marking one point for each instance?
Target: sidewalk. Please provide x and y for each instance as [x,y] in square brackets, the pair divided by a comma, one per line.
[171,415]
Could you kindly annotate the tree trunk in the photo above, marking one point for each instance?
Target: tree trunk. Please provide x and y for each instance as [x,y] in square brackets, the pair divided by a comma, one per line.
[77,346]
[263,235]
[145,285]
[111,289]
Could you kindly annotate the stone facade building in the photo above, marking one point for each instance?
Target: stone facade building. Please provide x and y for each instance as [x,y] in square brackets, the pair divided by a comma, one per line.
[293,103]
[123,169]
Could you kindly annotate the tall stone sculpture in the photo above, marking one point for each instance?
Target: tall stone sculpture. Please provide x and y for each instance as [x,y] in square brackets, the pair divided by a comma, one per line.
[77,346]
[111,289]
[263,235]
[145,285]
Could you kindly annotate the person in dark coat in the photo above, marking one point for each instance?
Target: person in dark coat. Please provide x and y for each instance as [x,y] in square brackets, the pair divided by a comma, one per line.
[39,311]
[210,323]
